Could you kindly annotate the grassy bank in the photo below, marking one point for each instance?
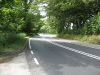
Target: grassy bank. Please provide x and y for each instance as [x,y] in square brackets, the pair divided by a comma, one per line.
[94,39]
[11,45]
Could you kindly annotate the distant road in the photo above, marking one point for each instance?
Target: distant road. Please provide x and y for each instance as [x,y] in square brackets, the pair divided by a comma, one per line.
[50,56]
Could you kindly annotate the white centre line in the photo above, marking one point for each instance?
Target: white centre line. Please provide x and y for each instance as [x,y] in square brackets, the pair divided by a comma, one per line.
[36,61]
[77,51]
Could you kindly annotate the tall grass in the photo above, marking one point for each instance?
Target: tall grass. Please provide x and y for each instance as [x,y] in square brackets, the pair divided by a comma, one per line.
[11,42]
[95,39]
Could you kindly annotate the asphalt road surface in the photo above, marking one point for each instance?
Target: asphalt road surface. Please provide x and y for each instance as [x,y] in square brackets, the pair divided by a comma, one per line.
[49,56]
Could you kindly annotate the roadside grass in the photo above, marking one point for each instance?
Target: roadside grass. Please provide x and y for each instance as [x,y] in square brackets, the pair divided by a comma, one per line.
[94,39]
[12,46]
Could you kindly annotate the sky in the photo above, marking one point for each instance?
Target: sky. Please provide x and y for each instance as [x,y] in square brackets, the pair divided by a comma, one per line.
[42,9]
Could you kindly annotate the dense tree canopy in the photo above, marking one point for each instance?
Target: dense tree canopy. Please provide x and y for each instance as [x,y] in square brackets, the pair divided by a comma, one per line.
[75,13]
[19,16]
[65,16]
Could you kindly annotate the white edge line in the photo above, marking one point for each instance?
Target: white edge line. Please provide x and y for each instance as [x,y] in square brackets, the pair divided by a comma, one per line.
[30,44]
[36,61]
[77,51]
[32,52]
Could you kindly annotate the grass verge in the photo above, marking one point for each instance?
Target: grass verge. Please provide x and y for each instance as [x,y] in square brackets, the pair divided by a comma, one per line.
[12,49]
[94,39]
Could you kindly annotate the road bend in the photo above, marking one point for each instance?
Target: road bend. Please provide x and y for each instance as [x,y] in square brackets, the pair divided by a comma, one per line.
[50,56]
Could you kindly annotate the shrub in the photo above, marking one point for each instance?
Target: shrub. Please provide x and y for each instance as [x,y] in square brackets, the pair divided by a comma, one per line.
[10,38]
[92,26]
[20,36]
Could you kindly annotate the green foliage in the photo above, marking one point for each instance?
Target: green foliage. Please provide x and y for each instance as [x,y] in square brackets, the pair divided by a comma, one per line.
[9,22]
[10,19]
[95,39]
[92,26]
[53,22]
[32,24]
[15,44]
[47,28]
[10,38]
[71,11]
[18,18]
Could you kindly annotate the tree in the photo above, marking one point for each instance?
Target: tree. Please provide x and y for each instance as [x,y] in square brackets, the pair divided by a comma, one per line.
[92,26]
[8,12]
[19,16]
[72,11]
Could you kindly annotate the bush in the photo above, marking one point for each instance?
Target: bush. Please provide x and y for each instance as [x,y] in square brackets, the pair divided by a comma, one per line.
[92,26]
[2,39]
[20,36]
[10,38]
[11,42]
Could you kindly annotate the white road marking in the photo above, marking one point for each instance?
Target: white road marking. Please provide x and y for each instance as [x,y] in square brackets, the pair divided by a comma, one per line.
[36,61]
[30,44]
[32,52]
[77,51]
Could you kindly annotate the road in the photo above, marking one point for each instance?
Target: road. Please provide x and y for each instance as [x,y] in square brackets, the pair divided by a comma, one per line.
[49,56]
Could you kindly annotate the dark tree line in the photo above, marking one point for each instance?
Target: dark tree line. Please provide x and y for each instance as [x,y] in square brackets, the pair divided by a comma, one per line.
[74,16]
